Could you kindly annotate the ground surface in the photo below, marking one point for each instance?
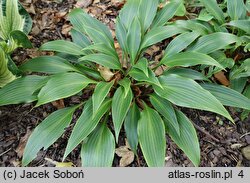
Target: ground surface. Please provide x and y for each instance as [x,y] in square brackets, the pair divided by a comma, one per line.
[221,141]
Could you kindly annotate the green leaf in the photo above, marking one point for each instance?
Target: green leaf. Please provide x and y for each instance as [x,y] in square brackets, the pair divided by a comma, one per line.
[99,149]
[102,48]
[139,75]
[47,132]
[121,35]
[147,12]
[165,14]
[142,65]
[130,125]
[203,28]
[79,38]
[13,17]
[181,42]
[186,59]
[186,73]
[151,134]
[236,9]
[213,8]
[165,108]
[63,47]
[125,83]
[62,86]
[241,24]
[101,91]
[227,96]
[187,140]
[134,39]
[128,12]
[6,76]
[186,92]
[96,30]
[213,42]
[21,39]
[103,59]
[158,34]
[48,64]
[22,90]
[86,124]
[120,107]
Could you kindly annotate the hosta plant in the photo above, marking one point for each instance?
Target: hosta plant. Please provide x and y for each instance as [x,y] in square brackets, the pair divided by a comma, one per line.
[15,24]
[222,31]
[126,90]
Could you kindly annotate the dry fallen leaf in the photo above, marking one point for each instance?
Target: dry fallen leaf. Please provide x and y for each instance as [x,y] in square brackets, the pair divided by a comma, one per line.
[20,148]
[105,73]
[220,76]
[83,3]
[59,104]
[127,156]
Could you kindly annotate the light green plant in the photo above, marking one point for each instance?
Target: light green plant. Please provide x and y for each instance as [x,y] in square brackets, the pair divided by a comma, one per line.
[126,91]
[15,24]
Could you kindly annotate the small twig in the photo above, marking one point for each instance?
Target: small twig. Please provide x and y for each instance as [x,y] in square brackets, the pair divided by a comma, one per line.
[248,133]
[206,133]
[5,152]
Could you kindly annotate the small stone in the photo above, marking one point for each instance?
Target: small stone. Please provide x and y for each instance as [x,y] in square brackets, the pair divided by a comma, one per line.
[236,146]
[216,152]
[247,137]
[246,152]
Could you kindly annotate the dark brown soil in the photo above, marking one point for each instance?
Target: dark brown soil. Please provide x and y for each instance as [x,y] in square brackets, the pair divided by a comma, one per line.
[221,141]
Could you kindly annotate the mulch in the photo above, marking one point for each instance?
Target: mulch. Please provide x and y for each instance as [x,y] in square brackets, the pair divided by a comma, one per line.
[221,141]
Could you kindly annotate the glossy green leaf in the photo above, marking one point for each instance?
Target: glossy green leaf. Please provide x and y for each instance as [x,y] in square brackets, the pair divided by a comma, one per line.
[236,9]
[120,107]
[21,39]
[227,96]
[121,35]
[134,39]
[165,14]
[186,73]
[130,125]
[147,12]
[103,59]
[47,132]
[101,91]
[186,92]
[203,28]
[151,134]
[86,124]
[125,83]
[165,108]
[213,42]
[241,24]
[99,149]
[79,38]
[142,65]
[48,64]
[187,141]
[129,12]
[139,75]
[6,76]
[62,86]
[22,90]
[97,31]
[63,47]
[13,17]
[186,59]
[213,8]
[181,42]
[158,34]
[102,48]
